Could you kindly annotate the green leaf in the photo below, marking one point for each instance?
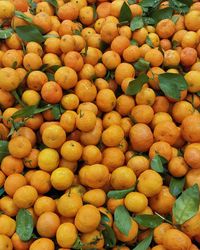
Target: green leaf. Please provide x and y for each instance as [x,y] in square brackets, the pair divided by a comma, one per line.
[4,34]
[54,3]
[21,15]
[119,194]
[125,13]
[174,44]
[50,76]
[30,33]
[56,111]
[109,236]
[104,219]
[187,205]
[134,42]
[142,65]
[50,35]
[150,3]
[149,42]
[2,191]
[157,163]
[148,220]
[78,244]
[15,94]
[172,84]
[24,224]
[198,93]
[3,149]
[121,215]
[132,2]
[148,20]
[175,19]
[136,23]
[176,185]
[32,7]
[29,111]
[181,7]
[161,14]
[136,85]
[143,245]
[94,11]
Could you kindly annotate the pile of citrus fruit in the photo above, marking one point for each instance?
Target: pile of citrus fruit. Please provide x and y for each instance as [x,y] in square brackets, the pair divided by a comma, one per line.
[99,124]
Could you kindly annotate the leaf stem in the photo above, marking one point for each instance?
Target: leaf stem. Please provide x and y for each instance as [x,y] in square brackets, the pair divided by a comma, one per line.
[164,218]
[14,93]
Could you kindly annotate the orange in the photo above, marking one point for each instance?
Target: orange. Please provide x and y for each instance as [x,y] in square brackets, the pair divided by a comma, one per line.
[48,159]
[91,155]
[54,136]
[122,178]
[62,178]
[111,118]
[190,227]
[190,128]
[192,20]
[165,28]
[160,231]
[66,235]
[188,56]
[42,244]
[191,156]
[193,177]
[31,161]
[154,56]
[7,9]
[13,182]
[5,242]
[111,59]
[74,60]
[192,79]
[89,238]
[166,131]
[28,133]
[174,239]
[124,70]
[7,100]
[177,166]
[119,44]
[131,235]
[141,137]
[146,111]
[87,218]
[149,183]
[85,120]
[94,176]
[40,180]
[69,204]
[9,75]
[85,90]
[109,31]
[8,207]
[124,104]
[106,100]
[163,201]
[44,204]
[135,202]
[19,147]
[47,224]
[162,148]
[19,244]
[71,150]
[113,158]
[8,225]
[95,197]
[11,165]
[112,136]
[66,77]
[138,164]
[25,196]
[51,92]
